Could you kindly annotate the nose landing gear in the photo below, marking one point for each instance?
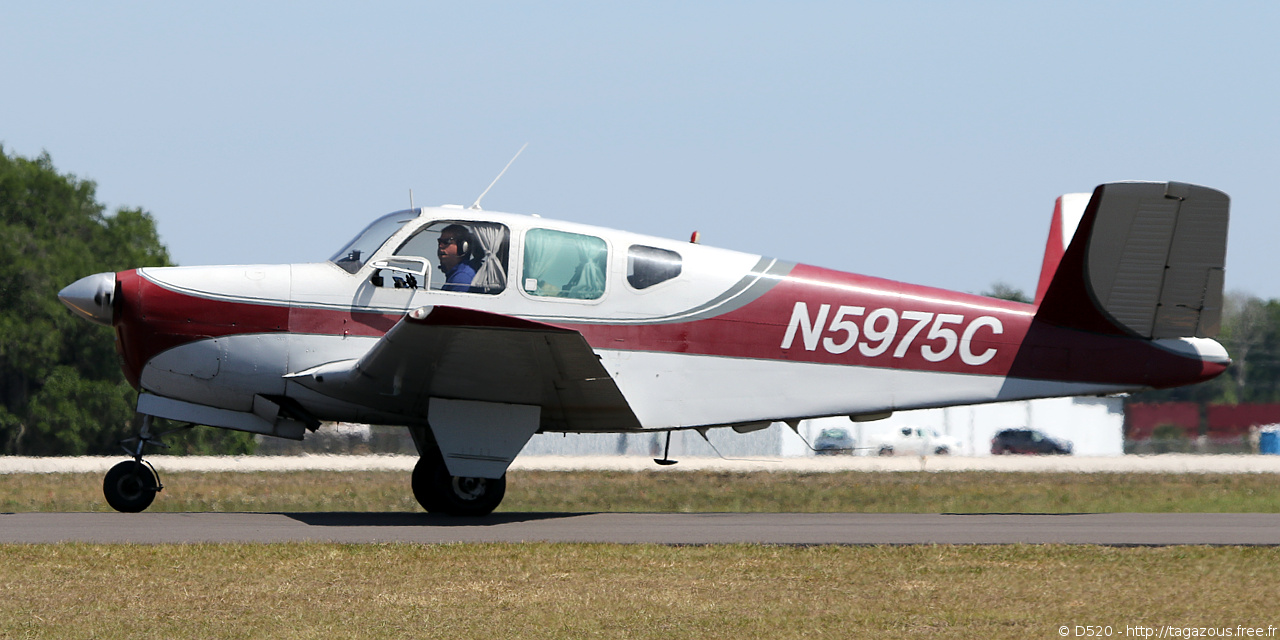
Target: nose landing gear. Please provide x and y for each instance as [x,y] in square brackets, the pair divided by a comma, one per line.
[132,485]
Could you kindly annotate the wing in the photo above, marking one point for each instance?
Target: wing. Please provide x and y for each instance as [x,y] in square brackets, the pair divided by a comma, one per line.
[453,353]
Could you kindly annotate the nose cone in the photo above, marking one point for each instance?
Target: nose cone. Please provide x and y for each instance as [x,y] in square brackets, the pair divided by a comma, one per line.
[90,297]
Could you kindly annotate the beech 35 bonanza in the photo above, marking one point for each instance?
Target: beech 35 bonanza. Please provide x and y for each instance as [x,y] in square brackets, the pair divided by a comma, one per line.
[476,330]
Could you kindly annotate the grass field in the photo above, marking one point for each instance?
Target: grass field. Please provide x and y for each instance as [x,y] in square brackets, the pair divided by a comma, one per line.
[614,591]
[645,591]
[697,491]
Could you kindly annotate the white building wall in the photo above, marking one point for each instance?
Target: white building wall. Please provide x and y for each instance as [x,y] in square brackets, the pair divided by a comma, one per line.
[1095,426]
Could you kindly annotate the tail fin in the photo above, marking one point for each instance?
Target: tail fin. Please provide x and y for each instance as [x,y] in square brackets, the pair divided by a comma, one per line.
[1067,211]
[1147,259]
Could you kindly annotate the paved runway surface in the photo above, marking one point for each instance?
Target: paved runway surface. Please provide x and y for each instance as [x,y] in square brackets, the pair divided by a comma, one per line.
[785,528]
[1110,529]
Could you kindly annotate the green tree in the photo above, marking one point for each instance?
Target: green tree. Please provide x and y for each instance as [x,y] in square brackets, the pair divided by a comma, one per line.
[61,388]
[1006,291]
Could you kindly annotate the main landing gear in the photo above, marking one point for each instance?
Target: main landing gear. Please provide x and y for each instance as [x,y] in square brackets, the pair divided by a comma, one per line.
[132,485]
[439,492]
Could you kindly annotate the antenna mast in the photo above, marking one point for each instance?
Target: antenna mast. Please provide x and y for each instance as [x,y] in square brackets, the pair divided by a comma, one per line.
[476,204]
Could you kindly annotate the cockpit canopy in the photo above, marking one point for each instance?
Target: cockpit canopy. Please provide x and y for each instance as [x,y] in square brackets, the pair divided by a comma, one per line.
[361,248]
[471,256]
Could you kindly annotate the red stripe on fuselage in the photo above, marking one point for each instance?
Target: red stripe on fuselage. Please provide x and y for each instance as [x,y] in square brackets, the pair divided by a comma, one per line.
[154,318]
[1022,348]
[758,329]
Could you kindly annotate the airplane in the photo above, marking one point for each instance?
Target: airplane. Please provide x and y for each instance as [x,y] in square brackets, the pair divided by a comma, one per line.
[476,330]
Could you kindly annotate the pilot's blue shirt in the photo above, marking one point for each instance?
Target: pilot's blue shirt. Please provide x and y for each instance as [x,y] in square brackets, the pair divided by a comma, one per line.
[459,279]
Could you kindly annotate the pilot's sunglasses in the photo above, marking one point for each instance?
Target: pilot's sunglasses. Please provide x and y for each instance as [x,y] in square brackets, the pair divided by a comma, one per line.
[446,241]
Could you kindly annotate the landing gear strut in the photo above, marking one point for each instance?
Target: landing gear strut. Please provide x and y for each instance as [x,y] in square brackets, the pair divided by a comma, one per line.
[132,485]
[439,492]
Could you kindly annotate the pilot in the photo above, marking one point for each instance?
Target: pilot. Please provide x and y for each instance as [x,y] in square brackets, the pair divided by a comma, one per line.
[454,248]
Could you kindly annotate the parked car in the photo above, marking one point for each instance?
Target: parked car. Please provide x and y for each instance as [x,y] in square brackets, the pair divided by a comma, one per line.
[834,442]
[914,441]
[1028,441]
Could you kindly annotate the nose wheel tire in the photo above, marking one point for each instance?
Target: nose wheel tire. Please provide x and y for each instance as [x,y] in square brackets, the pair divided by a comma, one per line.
[130,486]
[439,492]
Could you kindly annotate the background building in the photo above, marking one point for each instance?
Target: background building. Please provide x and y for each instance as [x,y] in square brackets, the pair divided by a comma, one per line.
[1094,425]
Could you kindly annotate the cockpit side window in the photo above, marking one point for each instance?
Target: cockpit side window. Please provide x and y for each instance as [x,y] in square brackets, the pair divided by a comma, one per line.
[462,256]
[353,256]
[559,264]
[647,266]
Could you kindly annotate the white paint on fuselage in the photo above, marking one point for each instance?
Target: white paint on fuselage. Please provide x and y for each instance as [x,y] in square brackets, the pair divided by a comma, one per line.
[254,283]
[226,372]
[665,390]
[668,390]
[706,273]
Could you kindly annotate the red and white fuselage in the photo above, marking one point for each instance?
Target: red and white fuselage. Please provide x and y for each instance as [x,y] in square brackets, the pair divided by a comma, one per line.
[479,329]
[476,330]
[733,339]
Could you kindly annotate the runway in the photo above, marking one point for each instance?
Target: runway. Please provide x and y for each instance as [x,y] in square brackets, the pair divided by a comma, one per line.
[1122,529]
[664,528]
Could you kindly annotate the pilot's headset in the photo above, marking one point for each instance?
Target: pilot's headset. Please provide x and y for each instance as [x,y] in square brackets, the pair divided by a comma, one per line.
[465,244]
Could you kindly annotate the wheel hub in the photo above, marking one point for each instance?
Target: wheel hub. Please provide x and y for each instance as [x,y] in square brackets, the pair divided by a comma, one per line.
[131,487]
[469,488]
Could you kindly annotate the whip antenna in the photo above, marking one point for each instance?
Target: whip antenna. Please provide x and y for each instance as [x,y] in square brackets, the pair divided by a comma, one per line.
[476,204]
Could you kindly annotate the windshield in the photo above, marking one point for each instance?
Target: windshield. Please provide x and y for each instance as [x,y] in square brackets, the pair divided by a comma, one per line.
[358,251]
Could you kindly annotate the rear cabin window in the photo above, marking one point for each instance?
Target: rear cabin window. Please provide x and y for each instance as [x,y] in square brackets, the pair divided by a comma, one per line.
[647,266]
[462,256]
[559,264]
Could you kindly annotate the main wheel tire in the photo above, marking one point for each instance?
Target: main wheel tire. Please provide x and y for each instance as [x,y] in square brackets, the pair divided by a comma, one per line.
[130,486]
[439,492]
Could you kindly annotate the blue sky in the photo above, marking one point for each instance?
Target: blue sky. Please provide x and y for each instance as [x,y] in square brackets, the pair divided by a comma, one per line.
[920,141]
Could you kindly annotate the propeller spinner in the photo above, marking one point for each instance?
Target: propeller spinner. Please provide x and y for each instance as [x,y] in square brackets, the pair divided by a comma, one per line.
[90,297]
